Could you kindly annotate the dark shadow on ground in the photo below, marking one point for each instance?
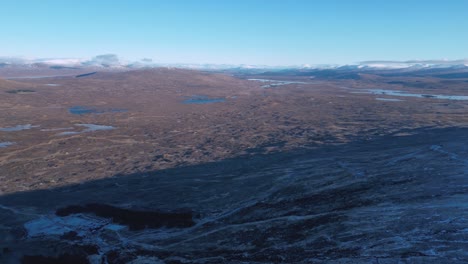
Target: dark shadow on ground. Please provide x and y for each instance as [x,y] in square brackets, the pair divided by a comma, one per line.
[144,188]
[389,197]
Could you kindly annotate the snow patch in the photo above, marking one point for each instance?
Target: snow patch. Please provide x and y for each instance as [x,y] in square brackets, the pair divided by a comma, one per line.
[53,225]
[83,225]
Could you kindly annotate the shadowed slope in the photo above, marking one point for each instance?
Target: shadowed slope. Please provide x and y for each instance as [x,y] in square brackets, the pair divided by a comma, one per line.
[394,198]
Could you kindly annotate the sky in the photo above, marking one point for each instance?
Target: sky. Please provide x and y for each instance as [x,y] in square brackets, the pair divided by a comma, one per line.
[260,32]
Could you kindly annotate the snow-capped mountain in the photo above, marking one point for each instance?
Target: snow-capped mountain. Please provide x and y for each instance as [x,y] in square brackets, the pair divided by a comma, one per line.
[112,61]
[415,64]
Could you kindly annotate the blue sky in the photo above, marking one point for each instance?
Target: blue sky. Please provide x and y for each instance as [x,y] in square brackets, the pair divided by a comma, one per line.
[269,32]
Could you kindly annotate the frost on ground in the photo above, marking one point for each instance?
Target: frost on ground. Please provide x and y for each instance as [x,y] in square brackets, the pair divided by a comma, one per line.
[391,200]
[52,225]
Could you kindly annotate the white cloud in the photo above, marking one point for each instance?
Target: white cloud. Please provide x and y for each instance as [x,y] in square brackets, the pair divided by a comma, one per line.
[12,60]
[113,61]
[105,60]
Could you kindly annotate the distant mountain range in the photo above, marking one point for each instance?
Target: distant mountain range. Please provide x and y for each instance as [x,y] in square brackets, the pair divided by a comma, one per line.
[113,62]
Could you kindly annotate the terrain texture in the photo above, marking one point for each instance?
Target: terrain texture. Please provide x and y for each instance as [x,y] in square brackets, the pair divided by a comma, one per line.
[181,166]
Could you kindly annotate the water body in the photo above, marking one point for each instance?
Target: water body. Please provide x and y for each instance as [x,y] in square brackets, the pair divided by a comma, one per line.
[273,83]
[85,74]
[83,110]
[52,84]
[89,128]
[56,129]
[68,133]
[388,99]
[202,99]
[17,128]
[93,127]
[6,144]
[405,94]
[25,91]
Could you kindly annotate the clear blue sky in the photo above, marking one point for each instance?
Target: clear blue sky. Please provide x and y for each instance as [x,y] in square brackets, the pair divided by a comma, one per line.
[237,31]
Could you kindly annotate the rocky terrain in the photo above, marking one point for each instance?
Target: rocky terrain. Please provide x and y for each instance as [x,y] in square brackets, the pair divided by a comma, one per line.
[182,166]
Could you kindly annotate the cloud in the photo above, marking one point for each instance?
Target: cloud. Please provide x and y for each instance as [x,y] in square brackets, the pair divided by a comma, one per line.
[113,61]
[105,60]
[12,60]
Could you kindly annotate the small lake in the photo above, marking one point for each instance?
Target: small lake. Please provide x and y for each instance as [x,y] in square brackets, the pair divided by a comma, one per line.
[93,127]
[56,129]
[17,128]
[388,99]
[83,110]
[24,91]
[85,74]
[88,128]
[405,94]
[202,99]
[273,83]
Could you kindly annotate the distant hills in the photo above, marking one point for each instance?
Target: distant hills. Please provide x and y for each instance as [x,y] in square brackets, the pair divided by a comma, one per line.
[113,61]
[19,67]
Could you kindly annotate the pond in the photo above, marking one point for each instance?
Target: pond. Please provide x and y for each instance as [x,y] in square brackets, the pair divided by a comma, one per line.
[273,83]
[88,128]
[93,127]
[23,91]
[202,99]
[406,94]
[388,99]
[83,110]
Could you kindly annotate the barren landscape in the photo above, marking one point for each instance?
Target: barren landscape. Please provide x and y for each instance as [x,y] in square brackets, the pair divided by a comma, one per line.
[158,119]
[182,166]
